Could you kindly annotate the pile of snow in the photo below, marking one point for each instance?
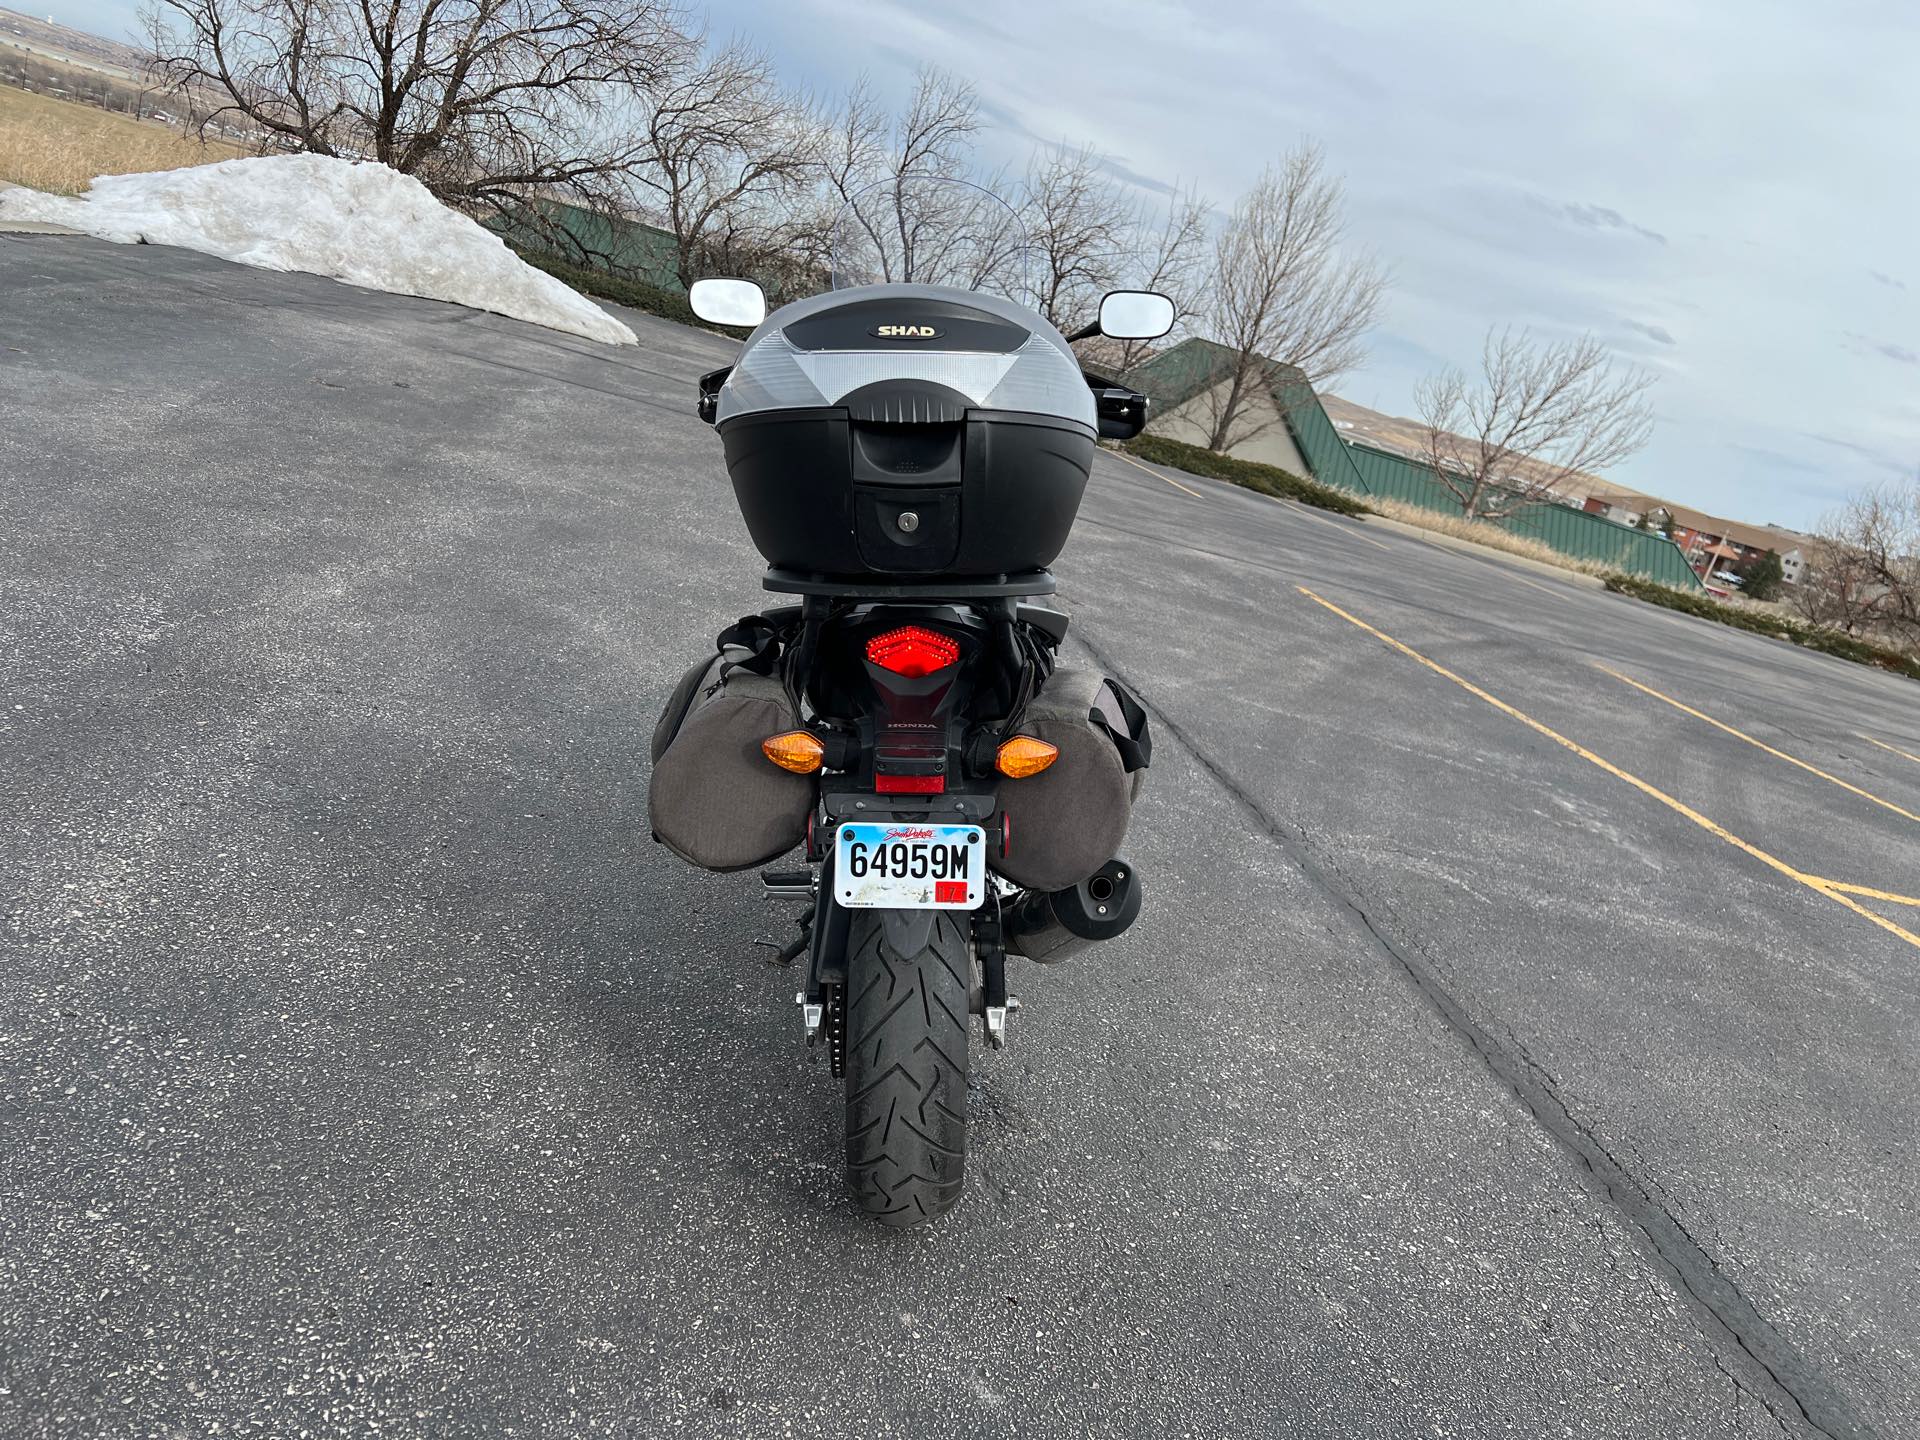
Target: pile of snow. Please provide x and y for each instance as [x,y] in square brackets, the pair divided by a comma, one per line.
[354,221]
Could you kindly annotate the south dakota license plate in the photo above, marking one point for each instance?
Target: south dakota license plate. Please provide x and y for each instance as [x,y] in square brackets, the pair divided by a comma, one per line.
[910,867]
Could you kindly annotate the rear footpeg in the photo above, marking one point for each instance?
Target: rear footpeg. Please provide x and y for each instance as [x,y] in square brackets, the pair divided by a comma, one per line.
[1061,923]
[812,1016]
[786,884]
[994,1021]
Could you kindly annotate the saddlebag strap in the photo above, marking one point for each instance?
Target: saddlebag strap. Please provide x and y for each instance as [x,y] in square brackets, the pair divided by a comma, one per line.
[1132,737]
[756,635]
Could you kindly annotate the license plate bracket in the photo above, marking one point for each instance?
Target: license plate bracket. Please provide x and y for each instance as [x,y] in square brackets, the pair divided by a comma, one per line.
[905,865]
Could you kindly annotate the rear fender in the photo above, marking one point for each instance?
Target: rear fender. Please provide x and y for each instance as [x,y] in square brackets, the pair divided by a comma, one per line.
[907,932]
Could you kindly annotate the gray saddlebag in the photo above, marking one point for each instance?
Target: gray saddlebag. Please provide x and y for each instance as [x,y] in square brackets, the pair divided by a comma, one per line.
[1071,818]
[715,800]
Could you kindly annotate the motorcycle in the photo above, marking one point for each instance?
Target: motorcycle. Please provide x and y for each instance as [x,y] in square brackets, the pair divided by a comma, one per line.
[909,458]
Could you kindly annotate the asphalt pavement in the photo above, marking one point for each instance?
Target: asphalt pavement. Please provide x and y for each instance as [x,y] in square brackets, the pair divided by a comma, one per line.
[1503,1050]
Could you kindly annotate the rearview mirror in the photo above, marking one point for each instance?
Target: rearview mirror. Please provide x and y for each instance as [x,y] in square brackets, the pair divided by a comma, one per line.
[728,302]
[1135,314]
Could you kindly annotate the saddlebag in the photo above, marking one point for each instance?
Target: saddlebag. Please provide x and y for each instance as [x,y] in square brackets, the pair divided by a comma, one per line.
[715,799]
[1071,818]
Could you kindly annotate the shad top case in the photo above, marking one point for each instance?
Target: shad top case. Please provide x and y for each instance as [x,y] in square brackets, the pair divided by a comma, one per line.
[903,431]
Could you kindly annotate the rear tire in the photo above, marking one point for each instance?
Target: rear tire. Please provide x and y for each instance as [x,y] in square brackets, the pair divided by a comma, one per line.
[907,1031]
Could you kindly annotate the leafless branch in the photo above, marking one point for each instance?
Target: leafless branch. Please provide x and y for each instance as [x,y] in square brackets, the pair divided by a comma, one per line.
[1079,226]
[484,100]
[723,153]
[1167,253]
[897,215]
[1284,291]
[1864,575]
[1540,415]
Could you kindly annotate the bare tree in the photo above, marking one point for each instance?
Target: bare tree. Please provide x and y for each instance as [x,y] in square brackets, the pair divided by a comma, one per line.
[1889,533]
[1541,414]
[723,152]
[853,143]
[1283,293]
[1865,572]
[775,240]
[933,142]
[484,100]
[907,205]
[880,172]
[1079,228]
[848,141]
[1837,588]
[1168,255]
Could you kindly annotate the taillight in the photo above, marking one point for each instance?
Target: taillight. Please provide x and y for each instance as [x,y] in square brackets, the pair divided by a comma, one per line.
[910,784]
[797,750]
[913,651]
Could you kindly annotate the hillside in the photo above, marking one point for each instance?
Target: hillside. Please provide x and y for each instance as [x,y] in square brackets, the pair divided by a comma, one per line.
[48,41]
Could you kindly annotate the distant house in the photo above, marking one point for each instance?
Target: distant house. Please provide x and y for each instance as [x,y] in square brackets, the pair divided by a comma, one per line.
[1185,382]
[1710,542]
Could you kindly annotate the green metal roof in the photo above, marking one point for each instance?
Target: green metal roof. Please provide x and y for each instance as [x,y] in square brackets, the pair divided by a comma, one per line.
[1175,376]
[616,244]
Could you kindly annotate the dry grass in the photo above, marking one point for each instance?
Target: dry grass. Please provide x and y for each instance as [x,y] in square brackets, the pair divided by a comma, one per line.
[1480,533]
[53,144]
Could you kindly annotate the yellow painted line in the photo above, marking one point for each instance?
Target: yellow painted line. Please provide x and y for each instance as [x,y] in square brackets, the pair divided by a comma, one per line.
[1122,455]
[1884,746]
[1536,585]
[1760,744]
[1679,807]
[1328,520]
[1869,894]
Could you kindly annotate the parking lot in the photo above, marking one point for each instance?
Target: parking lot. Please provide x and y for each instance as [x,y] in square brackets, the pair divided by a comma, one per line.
[1518,1039]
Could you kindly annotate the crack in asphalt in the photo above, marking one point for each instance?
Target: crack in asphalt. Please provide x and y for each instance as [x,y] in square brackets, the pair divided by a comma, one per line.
[1741,1392]
[1776,1374]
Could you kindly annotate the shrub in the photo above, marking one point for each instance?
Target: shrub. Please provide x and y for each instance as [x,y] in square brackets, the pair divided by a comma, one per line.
[1267,479]
[1780,627]
[1762,578]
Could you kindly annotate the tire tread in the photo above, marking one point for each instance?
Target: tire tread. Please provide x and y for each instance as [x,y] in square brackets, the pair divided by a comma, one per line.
[906,1096]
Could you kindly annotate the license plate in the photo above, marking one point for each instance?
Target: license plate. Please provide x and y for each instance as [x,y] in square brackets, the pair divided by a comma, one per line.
[910,867]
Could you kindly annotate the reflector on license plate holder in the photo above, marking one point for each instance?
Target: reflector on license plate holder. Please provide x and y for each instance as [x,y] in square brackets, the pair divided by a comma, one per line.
[907,866]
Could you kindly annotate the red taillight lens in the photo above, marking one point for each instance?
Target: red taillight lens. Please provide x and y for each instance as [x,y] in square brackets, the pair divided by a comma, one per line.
[913,651]
[910,784]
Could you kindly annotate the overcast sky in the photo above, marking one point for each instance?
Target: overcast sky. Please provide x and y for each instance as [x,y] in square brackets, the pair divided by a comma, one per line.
[1724,192]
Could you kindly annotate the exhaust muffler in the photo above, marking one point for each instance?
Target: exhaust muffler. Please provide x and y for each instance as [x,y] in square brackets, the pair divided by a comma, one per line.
[1058,924]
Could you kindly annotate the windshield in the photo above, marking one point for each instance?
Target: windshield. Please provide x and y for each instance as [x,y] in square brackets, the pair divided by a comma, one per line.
[928,230]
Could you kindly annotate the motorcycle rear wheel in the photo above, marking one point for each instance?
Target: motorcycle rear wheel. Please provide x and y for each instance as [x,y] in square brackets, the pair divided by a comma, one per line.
[906,1097]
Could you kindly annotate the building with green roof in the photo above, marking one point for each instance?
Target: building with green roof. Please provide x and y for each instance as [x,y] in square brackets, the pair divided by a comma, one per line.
[1182,384]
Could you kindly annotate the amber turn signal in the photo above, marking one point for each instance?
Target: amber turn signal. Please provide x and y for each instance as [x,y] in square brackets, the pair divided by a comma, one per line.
[1023,756]
[797,750]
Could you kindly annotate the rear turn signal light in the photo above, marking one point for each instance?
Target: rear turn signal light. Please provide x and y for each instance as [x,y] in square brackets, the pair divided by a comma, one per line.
[1023,756]
[913,651]
[797,750]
